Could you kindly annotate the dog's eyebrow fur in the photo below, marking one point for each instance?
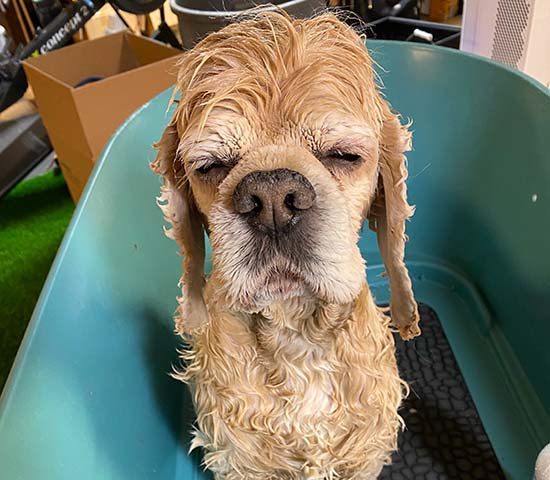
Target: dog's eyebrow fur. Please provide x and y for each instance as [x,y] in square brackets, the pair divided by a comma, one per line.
[272,61]
[319,134]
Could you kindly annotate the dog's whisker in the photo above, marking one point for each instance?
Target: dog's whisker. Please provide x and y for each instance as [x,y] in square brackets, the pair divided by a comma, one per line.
[426,167]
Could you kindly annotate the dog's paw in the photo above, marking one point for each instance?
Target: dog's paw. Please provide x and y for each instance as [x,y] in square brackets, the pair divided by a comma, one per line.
[410,331]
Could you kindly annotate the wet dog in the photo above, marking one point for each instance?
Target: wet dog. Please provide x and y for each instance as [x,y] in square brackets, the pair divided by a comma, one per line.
[280,148]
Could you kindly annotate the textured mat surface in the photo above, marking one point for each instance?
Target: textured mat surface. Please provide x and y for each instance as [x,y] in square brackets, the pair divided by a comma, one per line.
[444,438]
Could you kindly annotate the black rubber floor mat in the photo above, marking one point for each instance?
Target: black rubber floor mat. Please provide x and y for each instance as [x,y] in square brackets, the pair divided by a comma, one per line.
[444,437]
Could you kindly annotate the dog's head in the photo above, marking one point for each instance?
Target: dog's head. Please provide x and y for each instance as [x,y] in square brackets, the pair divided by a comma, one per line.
[280,148]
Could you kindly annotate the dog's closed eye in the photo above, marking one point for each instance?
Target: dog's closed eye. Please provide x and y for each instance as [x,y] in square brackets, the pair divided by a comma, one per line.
[340,159]
[340,155]
[204,169]
[213,169]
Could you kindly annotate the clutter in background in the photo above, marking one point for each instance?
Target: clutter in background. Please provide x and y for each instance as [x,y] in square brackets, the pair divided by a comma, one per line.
[518,37]
[442,10]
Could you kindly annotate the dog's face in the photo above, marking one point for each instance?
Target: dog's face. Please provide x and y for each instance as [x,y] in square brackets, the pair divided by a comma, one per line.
[279,147]
[284,192]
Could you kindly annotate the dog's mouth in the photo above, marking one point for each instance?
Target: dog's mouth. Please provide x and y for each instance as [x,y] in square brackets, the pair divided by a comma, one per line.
[283,282]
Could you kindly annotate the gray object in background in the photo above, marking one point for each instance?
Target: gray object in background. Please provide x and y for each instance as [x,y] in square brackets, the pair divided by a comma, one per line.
[512,32]
[24,143]
[198,18]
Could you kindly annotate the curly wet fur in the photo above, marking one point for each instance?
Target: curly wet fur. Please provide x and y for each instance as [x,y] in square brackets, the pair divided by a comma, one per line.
[294,382]
[300,391]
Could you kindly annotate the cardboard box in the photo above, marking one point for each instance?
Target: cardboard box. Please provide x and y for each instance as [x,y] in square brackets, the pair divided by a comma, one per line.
[80,120]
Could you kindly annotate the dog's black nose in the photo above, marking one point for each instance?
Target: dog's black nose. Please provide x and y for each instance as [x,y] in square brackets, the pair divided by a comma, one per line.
[273,201]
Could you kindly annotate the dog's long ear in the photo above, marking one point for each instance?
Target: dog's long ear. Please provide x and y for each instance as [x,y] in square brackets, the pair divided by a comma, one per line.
[178,205]
[388,214]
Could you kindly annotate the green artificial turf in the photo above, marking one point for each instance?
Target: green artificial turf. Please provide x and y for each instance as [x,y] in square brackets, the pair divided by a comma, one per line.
[33,219]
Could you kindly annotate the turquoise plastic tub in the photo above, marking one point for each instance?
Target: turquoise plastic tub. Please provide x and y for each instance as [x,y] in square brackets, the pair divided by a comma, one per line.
[89,396]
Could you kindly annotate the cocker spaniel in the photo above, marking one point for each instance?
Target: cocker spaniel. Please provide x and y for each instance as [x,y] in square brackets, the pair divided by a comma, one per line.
[280,148]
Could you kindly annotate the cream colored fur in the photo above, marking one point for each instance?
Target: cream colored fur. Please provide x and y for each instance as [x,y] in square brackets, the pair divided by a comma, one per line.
[291,364]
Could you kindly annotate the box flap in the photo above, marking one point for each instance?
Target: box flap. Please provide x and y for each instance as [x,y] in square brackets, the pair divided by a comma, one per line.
[57,109]
[148,51]
[103,106]
[103,57]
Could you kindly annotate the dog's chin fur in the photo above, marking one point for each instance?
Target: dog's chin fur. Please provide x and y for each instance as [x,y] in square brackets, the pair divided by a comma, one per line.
[291,364]
[278,287]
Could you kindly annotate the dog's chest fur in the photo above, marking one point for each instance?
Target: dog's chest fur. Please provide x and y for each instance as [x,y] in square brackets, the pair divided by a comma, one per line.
[298,363]
[300,391]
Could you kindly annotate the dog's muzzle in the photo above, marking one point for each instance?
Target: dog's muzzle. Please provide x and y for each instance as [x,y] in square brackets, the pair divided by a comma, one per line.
[274,201]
